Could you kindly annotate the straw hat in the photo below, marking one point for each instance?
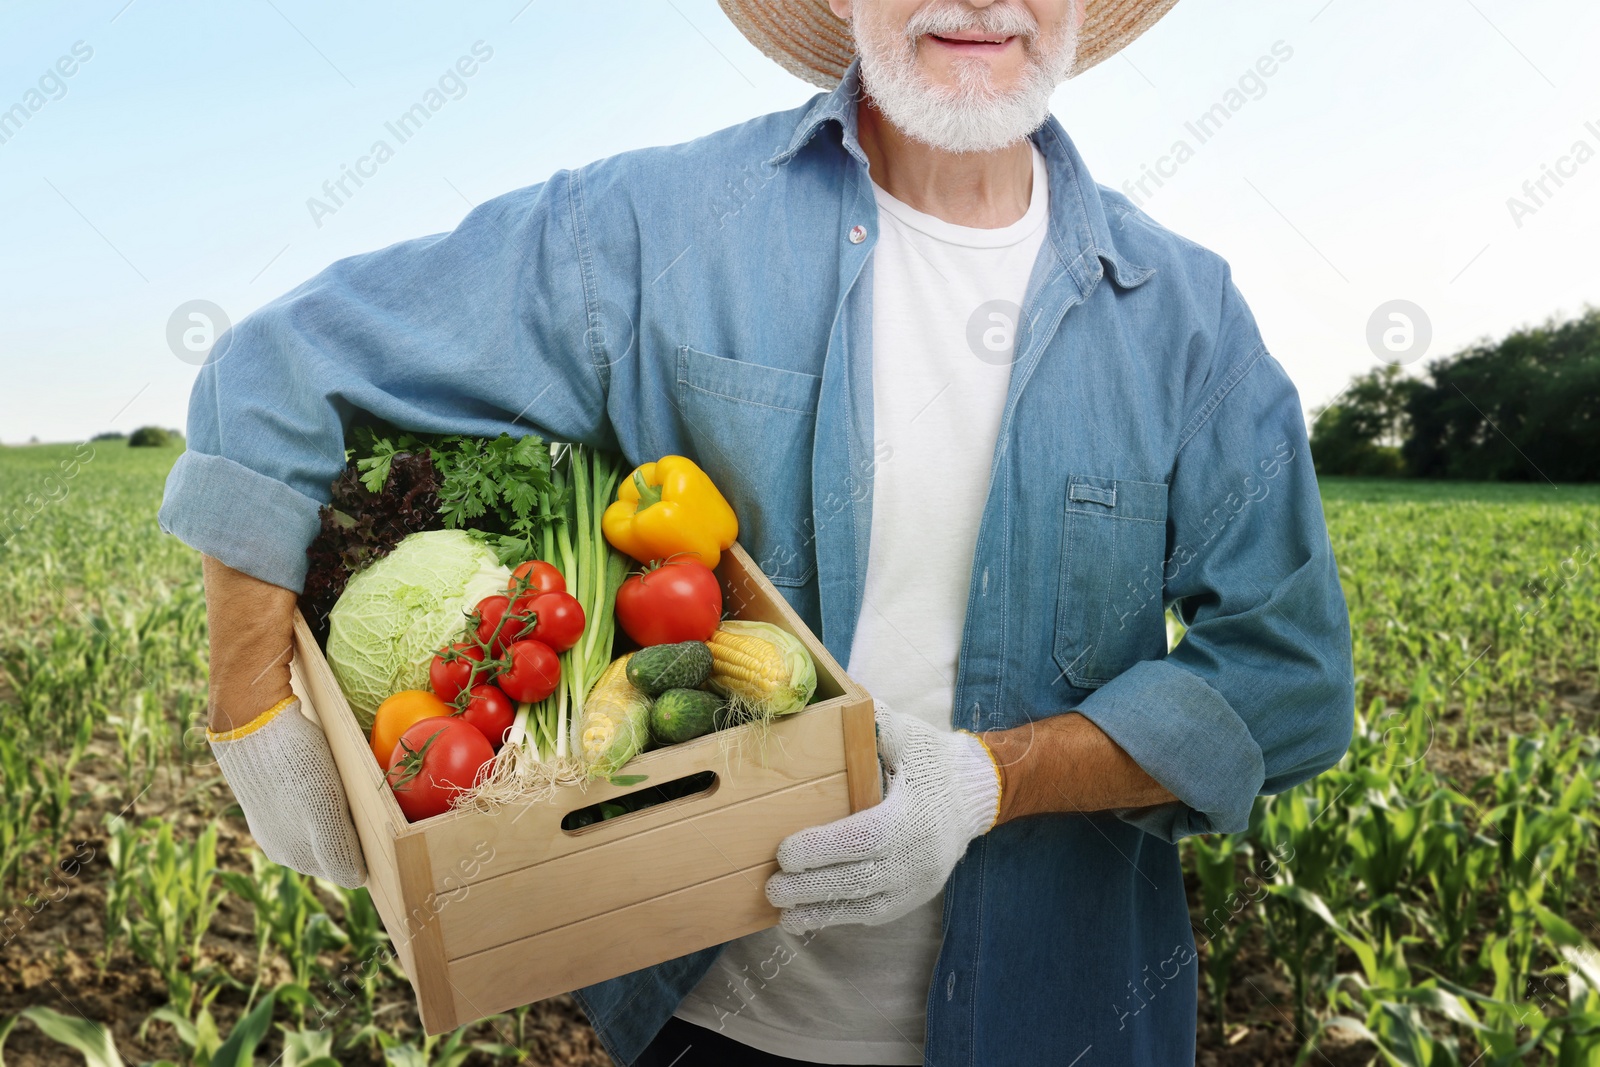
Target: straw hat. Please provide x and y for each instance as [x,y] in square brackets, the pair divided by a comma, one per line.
[810,42]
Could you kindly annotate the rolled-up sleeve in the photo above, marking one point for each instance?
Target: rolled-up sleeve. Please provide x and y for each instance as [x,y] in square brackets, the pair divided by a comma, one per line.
[1259,694]
[482,330]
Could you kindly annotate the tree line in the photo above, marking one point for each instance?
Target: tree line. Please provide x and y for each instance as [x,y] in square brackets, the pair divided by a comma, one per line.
[1525,408]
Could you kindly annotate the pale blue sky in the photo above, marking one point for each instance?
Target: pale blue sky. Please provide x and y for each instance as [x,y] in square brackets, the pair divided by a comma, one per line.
[1375,165]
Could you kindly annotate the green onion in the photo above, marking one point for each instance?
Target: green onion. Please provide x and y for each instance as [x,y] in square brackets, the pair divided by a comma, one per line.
[582,482]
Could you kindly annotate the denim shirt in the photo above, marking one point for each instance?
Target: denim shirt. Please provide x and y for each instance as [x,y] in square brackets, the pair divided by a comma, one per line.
[712,299]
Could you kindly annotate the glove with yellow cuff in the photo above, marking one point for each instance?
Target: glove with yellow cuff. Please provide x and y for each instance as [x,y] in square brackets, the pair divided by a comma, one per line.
[877,865]
[281,770]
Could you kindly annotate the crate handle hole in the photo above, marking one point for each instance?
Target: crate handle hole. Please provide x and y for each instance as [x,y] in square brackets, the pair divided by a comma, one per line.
[639,800]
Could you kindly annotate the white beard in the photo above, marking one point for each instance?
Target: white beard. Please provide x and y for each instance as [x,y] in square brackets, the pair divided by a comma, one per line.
[972,116]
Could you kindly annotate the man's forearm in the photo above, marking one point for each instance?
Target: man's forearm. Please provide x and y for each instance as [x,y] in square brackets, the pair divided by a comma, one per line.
[1067,763]
[251,625]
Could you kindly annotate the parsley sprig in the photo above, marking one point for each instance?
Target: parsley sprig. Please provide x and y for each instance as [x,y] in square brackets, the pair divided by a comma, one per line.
[490,487]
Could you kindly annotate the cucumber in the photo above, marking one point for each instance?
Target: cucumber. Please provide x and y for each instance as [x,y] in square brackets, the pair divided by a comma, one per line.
[682,714]
[658,668]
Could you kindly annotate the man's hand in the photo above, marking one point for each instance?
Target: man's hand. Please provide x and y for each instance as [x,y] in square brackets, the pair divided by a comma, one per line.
[944,790]
[877,865]
[1065,763]
[276,760]
[252,626]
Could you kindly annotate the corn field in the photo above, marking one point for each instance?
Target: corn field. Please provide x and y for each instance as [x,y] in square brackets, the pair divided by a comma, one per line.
[1430,901]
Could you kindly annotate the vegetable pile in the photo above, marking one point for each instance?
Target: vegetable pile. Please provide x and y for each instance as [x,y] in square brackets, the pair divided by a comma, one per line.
[479,684]
[394,615]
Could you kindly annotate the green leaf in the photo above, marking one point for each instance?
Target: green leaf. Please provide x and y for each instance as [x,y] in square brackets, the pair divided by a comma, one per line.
[627,779]
[5,1029]
[1443,1003]
[306,1048]
[187,1032]
[89,1039]
[239,1049]
[405,1056]
[369,1032]
[522,498]
[1575,949]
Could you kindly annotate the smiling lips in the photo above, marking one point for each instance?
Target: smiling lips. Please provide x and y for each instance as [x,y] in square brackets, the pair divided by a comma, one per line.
[975,44]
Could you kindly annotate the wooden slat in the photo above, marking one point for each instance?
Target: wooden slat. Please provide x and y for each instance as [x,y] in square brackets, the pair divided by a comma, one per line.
[376,816]
[799,748]
[429,974]
[602,947]
[861,755]
[614,875]
[748,594]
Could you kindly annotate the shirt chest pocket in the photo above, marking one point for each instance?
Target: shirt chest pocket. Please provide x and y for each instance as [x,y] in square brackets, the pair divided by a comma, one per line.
[1109,601]
[752,427]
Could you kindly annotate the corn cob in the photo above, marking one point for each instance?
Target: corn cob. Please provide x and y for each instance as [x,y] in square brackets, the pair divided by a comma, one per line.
[616,721]
[761,667]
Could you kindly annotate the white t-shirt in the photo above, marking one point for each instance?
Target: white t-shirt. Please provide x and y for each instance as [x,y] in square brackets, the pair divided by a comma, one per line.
[945,302]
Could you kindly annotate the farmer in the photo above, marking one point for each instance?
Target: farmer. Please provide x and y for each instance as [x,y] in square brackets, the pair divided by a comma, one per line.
[983,422]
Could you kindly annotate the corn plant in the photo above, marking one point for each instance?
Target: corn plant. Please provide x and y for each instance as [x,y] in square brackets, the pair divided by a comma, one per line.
[19,833]
[204,1043]
[165,901]
[1224,905]
[1305,831]
[89,1039]
[1457,862]
[289,919]
[369,957]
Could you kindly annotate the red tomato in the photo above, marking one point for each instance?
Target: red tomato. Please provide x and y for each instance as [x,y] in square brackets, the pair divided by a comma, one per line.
[535,577]
[557,618]
[490,711]
[452,668]
[432,762]
[680,600]
[534,672]
[490,610]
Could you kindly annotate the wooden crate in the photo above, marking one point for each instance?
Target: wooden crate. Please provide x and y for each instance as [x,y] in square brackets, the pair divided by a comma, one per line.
[551,909]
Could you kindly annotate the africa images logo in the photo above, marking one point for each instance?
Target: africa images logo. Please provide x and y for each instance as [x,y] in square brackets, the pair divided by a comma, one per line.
[451,85]
[1251,85]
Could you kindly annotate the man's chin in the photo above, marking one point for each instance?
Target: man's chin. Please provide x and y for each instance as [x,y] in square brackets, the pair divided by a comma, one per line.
[974,78]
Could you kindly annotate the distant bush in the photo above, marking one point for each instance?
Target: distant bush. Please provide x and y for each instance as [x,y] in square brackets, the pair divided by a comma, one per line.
[149,437]
[109,435]
[1361,433]
[1525,408]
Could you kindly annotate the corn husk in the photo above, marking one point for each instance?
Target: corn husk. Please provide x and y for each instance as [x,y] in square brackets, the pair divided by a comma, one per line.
[785,697]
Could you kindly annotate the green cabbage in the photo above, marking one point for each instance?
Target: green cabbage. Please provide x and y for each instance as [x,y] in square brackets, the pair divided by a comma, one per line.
[398,612]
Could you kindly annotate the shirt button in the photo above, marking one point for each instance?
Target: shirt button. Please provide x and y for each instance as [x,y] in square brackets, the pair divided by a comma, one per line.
[858,234]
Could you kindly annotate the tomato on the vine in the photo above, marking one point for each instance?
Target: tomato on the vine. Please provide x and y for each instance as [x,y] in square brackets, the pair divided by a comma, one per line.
[676,600]
[432,762]
[452,669]
[490,611]
[557,618]
[490,711]
[534,673]
[535,577]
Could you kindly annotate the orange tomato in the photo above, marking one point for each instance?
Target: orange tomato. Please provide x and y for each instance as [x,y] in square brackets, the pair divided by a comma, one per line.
[398,714]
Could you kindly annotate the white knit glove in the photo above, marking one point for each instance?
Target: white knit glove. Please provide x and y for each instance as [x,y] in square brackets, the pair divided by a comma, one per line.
[281,769]
[879,864]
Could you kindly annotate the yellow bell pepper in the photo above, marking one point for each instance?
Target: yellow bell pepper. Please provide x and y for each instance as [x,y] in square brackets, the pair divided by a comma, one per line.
[668,508]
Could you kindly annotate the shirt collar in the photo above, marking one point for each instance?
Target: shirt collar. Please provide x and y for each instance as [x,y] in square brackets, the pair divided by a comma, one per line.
[836,106]
[1078,224]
